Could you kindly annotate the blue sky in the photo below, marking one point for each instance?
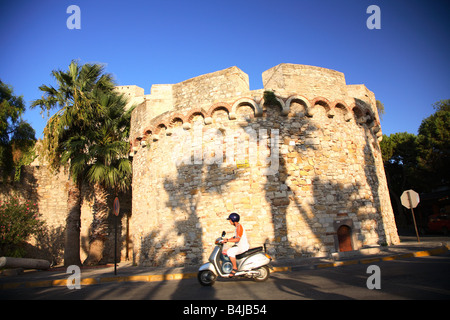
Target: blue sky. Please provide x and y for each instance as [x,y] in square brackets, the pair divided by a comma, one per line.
[406,63]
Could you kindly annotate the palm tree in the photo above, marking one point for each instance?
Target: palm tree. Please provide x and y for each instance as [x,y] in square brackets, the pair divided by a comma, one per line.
[74,98]
[104,163]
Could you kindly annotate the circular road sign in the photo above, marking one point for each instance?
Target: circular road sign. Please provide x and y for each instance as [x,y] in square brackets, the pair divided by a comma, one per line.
[413,196]
[116,206]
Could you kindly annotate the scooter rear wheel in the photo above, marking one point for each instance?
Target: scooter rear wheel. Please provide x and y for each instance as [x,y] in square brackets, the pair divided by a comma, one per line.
[264,274]
[206,278]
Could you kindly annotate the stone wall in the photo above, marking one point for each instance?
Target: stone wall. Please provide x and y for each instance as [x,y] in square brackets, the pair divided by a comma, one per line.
[295,170]
[49,190]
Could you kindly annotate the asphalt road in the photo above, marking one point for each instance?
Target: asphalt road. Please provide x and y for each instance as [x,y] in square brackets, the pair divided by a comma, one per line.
[415,278]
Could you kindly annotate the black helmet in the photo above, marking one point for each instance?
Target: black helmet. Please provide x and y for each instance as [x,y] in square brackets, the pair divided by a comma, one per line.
[234,217]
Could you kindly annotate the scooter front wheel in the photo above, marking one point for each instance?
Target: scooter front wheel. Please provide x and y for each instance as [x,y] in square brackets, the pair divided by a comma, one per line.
[206,277]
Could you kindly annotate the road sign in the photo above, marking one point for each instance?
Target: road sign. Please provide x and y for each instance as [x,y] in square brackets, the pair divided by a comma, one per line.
[116,206]
[410,199]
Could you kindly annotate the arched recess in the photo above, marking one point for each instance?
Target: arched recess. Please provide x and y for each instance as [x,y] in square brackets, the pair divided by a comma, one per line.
[299,99]
[219,114]
[357,113]
[176,122]
[159,132]
[341,107]
[162,127]
[219,106]
[284,107]
[245,101]
[317,103]
[194,116]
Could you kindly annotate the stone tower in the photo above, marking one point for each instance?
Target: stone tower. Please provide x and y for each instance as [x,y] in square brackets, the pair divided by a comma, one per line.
[299,160]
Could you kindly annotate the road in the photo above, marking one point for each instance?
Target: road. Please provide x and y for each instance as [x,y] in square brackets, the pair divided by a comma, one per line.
[415,278]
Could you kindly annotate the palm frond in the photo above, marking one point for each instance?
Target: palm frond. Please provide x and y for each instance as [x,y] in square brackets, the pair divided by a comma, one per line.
[90,130]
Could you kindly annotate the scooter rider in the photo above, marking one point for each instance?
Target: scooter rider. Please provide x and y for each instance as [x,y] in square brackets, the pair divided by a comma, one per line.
[240,238]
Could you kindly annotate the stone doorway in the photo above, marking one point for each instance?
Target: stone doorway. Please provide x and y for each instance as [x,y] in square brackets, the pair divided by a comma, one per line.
[344,235]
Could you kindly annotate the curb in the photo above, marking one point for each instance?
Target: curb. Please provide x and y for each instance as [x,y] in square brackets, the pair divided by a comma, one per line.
[179,276]
[424,253]
[98,280]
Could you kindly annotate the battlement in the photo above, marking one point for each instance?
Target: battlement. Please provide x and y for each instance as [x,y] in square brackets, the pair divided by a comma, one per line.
[228,89]
[134,94]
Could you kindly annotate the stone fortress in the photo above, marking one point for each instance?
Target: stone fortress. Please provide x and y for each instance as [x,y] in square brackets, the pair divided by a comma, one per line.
[299,160]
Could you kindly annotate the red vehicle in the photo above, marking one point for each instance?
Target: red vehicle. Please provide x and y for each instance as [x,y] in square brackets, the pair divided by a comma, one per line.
[439,223]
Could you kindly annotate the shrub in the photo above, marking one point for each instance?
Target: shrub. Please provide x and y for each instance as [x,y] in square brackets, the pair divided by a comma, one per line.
[19,219]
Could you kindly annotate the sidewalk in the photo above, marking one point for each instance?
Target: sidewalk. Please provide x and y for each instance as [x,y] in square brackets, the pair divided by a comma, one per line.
[127,272]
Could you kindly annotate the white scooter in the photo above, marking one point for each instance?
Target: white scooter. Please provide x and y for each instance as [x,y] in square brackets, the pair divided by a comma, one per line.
[253,263]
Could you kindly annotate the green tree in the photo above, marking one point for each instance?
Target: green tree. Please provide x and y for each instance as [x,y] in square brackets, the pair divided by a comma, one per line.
[434,146]
[17,137]
[400,151]
[419,162]
[69,135]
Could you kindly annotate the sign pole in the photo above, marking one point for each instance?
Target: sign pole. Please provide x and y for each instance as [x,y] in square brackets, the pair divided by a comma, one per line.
[414,219]
[115,244]
[116,210]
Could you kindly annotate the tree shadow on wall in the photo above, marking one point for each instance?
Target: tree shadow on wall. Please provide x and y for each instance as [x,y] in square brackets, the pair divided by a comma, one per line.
[185,191]
[123,241]
[293,194]
[315,193]
[193,182]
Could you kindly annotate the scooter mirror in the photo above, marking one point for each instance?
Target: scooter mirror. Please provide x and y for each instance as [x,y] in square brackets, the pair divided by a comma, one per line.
[223,233]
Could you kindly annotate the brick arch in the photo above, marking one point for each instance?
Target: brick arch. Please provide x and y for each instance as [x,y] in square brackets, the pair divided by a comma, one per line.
[175,118]
[284,108]
[160,126]
[321,101]
[249,102]
[136,141]
[364,107]
[148,130]
[358,114]
[219,106]
[195,112]
[357,111]
[341,105]
[363,113]
[297,98]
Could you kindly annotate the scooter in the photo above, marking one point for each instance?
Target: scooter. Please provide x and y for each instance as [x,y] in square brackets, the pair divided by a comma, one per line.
[253,264]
